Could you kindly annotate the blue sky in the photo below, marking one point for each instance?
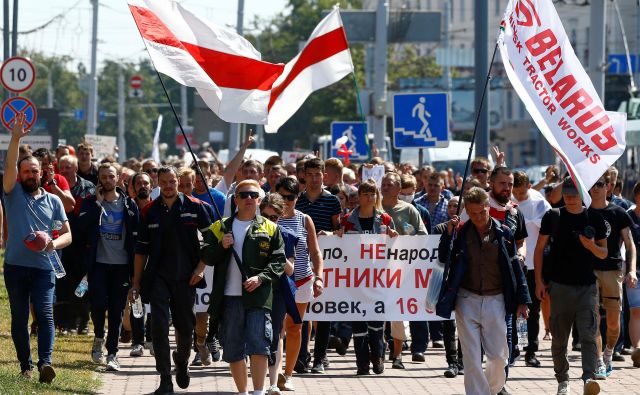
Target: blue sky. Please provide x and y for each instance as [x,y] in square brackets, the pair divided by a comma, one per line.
[117,35]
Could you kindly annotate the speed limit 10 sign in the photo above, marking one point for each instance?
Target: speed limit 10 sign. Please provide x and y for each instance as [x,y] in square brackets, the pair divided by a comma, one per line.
[18,74]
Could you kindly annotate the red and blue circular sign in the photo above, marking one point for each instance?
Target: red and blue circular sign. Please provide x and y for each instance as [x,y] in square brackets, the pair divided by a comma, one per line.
[18,104]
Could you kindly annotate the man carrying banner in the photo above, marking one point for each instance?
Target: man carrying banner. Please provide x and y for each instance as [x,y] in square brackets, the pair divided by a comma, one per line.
[483,284]
[577,236]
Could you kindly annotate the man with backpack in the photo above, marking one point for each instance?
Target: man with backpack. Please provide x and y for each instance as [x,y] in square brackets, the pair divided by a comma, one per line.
[578,238]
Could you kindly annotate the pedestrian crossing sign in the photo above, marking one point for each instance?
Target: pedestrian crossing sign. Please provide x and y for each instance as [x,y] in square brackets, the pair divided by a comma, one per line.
[420,120]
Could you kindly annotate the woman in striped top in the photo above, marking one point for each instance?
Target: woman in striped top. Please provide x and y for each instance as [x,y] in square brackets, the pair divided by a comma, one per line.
[307,271]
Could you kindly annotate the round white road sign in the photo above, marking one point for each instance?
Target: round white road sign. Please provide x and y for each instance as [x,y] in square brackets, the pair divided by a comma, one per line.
[18,74]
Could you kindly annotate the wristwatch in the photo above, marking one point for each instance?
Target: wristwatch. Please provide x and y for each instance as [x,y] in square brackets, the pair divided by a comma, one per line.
[52,182]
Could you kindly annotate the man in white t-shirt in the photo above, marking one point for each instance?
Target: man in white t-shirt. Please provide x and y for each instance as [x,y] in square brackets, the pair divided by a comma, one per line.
[533,206]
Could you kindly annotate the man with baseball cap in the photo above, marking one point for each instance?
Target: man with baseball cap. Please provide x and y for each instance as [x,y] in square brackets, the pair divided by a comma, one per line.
[578,238]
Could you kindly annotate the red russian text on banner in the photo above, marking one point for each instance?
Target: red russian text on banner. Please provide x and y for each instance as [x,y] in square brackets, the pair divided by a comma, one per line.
[557,92]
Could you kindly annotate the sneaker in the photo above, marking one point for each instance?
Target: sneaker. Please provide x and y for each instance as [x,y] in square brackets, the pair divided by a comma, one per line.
[285,383]
[397,364]
[563,388]
[340,346]
[438,344]
[362,372]
[196,360]
[325,362]
[626,351]
[417,357]
[591,387]
[301,367]
[183,378]
[47,374]
[136,351]
[531,360]
[635,357]
[460,369]
[166,386]
[214,349]
[452,371]
[318,368]
[601,372]
[274,390]
[618,357]
[149,346]
[378,365]
[608,367]
[205,354]
[27,374]
[112,363]
[576,347]
[97,355]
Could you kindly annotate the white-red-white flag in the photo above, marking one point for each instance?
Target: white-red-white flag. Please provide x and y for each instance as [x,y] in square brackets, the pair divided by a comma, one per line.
[227,71]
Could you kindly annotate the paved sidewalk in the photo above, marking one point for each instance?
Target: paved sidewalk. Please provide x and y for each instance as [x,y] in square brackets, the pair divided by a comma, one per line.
[138,376]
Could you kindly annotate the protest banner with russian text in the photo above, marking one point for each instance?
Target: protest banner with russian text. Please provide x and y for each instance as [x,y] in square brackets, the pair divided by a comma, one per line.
[375,278]
[557,92]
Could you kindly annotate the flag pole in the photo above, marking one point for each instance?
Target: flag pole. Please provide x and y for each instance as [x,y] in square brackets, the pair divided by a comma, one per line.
[475,127]
[193,155]
[364,122]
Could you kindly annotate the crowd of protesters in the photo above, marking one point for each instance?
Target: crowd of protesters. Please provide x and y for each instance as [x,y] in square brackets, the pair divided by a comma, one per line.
[249,231]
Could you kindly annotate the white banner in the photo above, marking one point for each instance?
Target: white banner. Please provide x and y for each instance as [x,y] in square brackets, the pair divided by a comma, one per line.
[103,146]
[203,295]
[558,93]
[375,278]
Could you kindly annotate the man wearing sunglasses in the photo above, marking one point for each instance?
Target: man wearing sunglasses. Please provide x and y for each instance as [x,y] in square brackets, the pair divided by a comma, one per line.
[247,252]
[610,271]
[480,170]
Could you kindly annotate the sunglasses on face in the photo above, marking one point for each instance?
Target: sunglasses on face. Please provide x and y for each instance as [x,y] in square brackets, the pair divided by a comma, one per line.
[478,171]
[154,170]
[599,184]
[248,194]
[273,218]
[290,198]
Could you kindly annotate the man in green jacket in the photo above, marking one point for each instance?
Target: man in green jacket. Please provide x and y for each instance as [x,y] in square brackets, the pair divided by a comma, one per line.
[247,251]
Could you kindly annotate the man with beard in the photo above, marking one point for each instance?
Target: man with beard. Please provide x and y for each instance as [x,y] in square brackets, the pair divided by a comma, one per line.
[167,269]
[28,273]
[75,308]
[109,220]
[142,187]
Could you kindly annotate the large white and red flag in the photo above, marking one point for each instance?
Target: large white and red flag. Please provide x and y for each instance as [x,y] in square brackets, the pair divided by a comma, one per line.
[557,92]
[228,72]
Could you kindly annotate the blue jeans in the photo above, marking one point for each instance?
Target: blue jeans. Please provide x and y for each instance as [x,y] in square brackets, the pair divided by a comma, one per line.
[244,331]
[24,285]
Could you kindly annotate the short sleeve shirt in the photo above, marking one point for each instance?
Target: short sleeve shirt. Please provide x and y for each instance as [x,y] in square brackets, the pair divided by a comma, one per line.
[26,214]
[615,219]
[320,210]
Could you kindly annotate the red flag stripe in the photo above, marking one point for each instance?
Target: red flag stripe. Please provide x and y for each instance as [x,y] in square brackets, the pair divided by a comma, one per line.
[319,49]
[226,70]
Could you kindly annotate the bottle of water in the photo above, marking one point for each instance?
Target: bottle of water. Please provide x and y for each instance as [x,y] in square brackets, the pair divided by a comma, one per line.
[523,333]
[82,288]
[54,260]
[409,229]
[383,229]
[136,307]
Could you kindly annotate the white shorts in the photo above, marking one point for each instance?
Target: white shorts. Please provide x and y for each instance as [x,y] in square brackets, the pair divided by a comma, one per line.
[304,294]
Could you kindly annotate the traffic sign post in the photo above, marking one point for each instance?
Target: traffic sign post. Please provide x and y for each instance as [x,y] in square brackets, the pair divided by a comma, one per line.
[135,83]
[17,74]
[356,133]
[420,120]
[11,107]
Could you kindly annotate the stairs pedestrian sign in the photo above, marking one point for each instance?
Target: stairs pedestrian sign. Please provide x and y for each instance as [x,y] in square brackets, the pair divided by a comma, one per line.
[356,140]
[420,120]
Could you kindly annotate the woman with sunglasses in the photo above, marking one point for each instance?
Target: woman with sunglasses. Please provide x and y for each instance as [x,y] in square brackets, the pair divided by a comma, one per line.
[272,207]
[368,218]
[308,278]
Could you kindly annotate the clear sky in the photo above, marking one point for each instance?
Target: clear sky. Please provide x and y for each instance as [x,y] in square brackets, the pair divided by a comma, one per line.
[118,37]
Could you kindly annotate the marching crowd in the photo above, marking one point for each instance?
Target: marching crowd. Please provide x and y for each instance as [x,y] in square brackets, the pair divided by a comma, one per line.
[156,233]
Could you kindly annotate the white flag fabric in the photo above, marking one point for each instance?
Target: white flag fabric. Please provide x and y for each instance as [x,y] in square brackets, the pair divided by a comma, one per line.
[227,71]
[557,92]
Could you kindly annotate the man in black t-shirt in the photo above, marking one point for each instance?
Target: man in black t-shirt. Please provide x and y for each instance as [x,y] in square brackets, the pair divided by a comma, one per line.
[578,238]
[610,271]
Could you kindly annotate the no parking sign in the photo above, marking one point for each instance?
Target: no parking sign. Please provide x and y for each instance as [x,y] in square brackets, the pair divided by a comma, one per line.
[11,107]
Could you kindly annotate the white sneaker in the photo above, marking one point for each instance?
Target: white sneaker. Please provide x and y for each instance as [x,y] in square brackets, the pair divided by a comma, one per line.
[285,383]
[149,346]
[137,351]
[112,363]
[205,354]
[97,355]
[274,390]
[591,387]
[563,388]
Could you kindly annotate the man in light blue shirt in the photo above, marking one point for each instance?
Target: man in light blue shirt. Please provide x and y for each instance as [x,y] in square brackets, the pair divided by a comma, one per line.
[28,274]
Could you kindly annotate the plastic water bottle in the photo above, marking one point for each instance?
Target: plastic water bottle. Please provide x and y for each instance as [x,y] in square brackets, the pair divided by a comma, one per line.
[523,333]
[383,229]
[136,307]
[54,260]
[408,229]
[82,288]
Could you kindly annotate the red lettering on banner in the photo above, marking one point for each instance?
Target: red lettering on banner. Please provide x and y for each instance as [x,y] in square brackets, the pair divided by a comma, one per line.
[358,278]
[364,250]
[563,86]
[582,120]
[608,136]
[422,278]
[528,10]
[377,278]
[579,100]
[380,251]
[541,42]
[394,278]
[346,277]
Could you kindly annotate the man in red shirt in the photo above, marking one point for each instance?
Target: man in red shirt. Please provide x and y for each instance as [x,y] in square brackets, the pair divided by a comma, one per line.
[52,182]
